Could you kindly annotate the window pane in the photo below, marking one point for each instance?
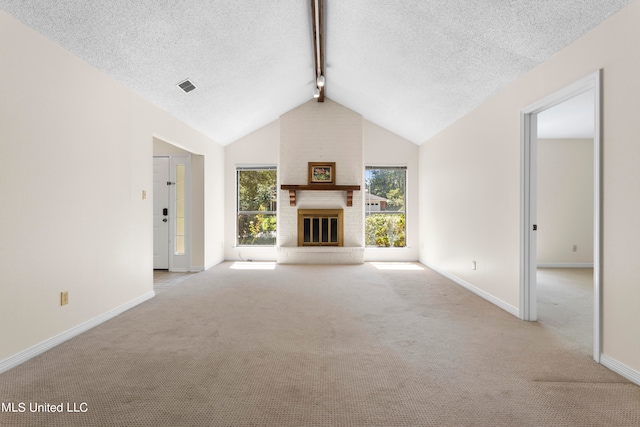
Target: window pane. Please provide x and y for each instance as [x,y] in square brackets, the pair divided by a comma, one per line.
[256,229]
[180,245]
[180,213]
[180,189]
[180,207]
[179,227]
[385,206]
[385,230]
[257,193]
[256,189]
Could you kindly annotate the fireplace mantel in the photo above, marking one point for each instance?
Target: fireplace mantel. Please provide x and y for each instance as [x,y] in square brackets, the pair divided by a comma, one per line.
[349,189]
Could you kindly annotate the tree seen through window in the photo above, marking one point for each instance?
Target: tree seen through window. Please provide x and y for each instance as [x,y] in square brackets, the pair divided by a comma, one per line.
[257,195]
[385,206]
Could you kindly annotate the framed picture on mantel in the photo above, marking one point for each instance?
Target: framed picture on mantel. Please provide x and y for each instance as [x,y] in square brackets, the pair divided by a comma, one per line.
[322,173]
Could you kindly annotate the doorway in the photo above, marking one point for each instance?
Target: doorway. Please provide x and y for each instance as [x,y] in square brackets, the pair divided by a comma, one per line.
[591,86]
[186,206]
[172,213]
[564,280]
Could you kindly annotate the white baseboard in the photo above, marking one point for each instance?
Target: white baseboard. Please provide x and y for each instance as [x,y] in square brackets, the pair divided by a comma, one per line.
[48,344]
[493,300]
[565,265]
[620,369]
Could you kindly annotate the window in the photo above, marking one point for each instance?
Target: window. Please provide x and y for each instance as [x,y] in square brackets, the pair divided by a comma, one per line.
[179,240]
[257,193]
[385,206]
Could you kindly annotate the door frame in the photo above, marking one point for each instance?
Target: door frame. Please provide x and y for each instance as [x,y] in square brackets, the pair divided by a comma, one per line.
[528,200]
[179,262]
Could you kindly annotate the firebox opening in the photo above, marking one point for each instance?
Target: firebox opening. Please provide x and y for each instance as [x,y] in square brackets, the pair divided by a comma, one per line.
[320,227]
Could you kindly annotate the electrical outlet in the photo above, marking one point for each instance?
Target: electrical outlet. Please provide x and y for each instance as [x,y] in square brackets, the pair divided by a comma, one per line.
[144,194]
[473,265]
[64,297]
[575,248]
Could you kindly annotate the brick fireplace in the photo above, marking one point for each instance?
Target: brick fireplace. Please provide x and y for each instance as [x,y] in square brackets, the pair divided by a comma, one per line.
[321,132]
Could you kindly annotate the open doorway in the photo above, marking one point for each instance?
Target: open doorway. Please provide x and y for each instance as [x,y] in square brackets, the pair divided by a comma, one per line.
[178,208]
[565,220]
[556,197]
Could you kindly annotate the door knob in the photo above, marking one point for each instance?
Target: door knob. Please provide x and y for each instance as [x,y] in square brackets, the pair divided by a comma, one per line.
[164,220]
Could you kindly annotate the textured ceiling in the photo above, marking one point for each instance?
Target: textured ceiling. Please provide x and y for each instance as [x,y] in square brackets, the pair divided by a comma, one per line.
[411,66]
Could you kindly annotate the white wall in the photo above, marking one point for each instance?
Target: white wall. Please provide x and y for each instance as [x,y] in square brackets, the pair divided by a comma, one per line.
[259,148]
[384,148]
[76,151]
[470,181]
[565,202]
[198,228]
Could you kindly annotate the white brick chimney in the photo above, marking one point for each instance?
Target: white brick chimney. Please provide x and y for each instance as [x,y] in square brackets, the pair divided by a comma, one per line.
[321,132]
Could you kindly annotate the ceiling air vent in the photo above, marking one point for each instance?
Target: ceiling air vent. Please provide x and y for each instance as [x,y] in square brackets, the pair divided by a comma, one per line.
[186,86]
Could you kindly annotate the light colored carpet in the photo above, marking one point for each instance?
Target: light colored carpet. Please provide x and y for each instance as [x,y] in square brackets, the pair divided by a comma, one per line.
[320,346]
[163,279]
[565,304]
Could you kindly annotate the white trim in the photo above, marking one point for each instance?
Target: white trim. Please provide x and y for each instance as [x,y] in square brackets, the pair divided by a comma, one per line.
[528,209]
[493,300]
[248,167]
[528,160]
[21,357]
[566,265]
[597,216]
[586,83]
[620,369]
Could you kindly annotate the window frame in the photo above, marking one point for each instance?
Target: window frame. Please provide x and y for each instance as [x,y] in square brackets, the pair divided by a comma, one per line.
[273,208]
[368,212]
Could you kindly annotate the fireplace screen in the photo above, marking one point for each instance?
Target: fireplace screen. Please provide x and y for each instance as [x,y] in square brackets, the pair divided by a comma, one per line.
[320,227]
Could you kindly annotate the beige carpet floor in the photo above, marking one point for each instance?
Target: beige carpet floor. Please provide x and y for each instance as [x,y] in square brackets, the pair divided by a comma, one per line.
[163,279]
[320,346]
[565,305]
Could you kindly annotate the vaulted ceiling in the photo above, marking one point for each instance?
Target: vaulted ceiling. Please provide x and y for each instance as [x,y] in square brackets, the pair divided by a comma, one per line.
[411,66]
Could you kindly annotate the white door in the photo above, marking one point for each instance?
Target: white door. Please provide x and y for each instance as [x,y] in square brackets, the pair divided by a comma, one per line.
[161,213]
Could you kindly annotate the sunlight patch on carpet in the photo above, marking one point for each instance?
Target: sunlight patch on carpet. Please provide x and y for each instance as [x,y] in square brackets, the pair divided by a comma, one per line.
[396,266]
[249,265]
